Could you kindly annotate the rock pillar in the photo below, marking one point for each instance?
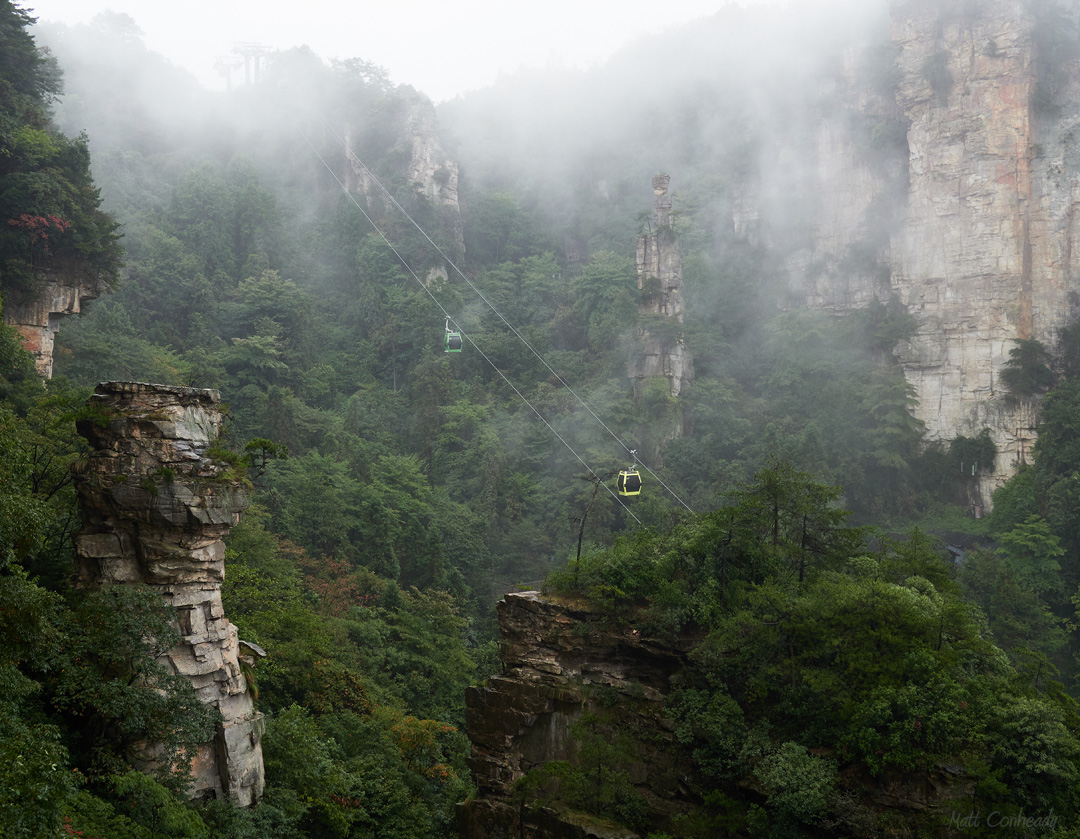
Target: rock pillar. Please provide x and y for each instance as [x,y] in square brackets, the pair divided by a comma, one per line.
[661,350]
[155,507]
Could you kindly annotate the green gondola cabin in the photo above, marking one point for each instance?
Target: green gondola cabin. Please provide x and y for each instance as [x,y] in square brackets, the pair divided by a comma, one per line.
[452,341]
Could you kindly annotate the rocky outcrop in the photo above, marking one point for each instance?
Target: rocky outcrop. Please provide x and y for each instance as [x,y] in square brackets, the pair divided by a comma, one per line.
[417,155]
[37,318]
[563,663]
[566,664]
[659,268]
[155,505]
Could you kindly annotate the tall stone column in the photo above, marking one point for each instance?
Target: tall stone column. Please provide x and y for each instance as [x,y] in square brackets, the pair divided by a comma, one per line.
[661,349]
[155,507]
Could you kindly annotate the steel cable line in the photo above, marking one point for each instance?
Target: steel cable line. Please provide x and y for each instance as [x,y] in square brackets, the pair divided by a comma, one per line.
[352,155]
[468,338]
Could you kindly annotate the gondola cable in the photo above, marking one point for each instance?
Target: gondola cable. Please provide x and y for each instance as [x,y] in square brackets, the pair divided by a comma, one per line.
[459,331]
[352,156]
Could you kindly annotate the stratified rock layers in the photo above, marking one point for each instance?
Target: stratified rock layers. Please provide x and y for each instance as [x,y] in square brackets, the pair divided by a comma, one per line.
[155,508]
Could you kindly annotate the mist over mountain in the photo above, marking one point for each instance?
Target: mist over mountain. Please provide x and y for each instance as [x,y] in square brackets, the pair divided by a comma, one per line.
[807,277]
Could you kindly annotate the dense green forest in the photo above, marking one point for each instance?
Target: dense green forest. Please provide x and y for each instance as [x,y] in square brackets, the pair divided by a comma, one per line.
[412,486]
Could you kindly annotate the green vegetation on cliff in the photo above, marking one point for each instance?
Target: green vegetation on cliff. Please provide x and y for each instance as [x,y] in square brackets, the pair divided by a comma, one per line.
[419,485]
[830,663]
[50,216]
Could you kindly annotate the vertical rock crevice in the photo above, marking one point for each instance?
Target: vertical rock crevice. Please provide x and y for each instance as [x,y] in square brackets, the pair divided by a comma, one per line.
[155,505]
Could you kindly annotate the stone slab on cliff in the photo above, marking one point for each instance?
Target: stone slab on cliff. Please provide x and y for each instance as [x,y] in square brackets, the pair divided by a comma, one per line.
[37,318]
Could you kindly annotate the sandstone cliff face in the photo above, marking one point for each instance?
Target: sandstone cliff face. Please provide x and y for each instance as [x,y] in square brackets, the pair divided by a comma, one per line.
[953,190]
[38,320]
[963,259]
[155,508]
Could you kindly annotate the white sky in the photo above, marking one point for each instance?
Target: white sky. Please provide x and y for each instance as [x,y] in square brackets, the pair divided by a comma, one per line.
[442,47]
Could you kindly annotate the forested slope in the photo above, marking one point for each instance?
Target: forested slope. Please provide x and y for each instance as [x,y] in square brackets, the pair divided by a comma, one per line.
[399,489]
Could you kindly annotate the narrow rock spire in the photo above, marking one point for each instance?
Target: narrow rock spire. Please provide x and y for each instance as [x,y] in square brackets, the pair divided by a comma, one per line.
[155,507]
[661,351]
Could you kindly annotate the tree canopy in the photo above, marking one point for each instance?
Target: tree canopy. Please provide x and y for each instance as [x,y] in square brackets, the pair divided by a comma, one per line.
[50,215]
[399,490]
